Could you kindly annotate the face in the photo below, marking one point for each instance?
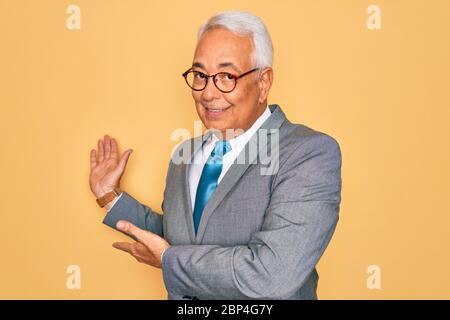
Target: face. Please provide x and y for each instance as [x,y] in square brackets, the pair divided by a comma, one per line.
[220,50]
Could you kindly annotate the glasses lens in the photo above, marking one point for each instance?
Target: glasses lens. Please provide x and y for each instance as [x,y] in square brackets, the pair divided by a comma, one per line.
[196,80]
[225,81]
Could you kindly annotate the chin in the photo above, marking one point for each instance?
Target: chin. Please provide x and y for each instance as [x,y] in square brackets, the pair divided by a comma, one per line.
[217,125]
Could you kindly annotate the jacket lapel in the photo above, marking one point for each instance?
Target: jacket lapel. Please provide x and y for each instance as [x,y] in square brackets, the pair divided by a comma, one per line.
[194,145]
[236,171]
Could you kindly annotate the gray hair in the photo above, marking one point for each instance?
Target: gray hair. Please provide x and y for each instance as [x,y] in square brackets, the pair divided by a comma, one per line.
[244,24]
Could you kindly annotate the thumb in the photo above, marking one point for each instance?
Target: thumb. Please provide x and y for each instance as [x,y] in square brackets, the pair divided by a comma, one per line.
[124,159]
[130,229]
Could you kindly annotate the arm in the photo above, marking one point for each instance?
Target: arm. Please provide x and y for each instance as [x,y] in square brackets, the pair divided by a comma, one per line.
[129,209]
[106,172]
[279,258]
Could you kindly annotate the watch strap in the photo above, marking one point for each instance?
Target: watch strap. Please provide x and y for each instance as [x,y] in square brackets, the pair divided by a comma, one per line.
[108,197]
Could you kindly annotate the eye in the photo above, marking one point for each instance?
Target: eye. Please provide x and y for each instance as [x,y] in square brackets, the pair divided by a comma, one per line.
[199,75]
[229,76]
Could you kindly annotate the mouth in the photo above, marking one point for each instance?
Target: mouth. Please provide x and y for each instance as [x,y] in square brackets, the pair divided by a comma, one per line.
[216,112]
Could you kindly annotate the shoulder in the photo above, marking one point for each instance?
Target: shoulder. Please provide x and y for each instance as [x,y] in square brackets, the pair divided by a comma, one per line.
[301,136]
[299,141]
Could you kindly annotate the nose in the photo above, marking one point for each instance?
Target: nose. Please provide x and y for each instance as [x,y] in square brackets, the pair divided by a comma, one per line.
[211,92]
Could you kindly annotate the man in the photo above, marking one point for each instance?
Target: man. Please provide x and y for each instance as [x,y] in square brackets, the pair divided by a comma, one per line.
[230,229]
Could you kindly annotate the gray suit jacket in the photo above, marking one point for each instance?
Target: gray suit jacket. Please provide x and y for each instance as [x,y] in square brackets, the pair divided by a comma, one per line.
[260,235]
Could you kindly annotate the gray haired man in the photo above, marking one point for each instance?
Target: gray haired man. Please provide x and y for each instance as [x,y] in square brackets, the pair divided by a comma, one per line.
[228,231]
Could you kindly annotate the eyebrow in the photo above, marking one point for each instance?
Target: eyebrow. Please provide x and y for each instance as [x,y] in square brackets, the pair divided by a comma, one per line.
[221,65]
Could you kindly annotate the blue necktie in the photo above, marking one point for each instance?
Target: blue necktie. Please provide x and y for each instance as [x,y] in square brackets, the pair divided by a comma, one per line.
[208,180]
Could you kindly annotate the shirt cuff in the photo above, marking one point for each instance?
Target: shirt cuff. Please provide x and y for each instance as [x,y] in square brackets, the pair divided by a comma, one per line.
[115,201]
[162,254]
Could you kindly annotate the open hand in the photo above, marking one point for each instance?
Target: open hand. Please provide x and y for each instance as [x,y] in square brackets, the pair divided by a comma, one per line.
[106,169]
[148,248]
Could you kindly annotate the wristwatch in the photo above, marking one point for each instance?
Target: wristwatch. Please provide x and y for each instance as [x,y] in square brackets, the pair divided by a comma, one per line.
[110,196]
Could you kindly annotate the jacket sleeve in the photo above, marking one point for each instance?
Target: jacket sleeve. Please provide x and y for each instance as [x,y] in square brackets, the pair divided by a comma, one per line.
[278,260]
[129,209]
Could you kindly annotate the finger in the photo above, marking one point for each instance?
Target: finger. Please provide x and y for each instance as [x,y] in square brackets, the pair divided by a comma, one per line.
[124,160]
[140,252]
[101,151]
[140,249]
[124,246]
[93,159]
[107,147]
[130,229]
[113,149]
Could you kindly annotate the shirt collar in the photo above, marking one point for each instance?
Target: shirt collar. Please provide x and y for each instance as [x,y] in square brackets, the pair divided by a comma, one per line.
[238,143]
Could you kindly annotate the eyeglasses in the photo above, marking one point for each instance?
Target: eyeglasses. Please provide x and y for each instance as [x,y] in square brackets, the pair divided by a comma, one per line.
[224,81]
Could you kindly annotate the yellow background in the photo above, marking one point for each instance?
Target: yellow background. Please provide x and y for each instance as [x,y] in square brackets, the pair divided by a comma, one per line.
[383,94]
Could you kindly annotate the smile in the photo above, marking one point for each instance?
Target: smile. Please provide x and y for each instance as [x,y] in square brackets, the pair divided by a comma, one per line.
[216,112]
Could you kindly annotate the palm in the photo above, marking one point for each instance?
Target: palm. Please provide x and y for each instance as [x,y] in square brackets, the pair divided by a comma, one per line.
[106,169]
[105,174]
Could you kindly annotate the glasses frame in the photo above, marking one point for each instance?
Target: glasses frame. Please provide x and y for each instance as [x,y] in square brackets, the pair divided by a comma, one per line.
[214,78]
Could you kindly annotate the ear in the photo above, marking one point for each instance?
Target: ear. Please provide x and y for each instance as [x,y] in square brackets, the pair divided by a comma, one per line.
[265,83]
